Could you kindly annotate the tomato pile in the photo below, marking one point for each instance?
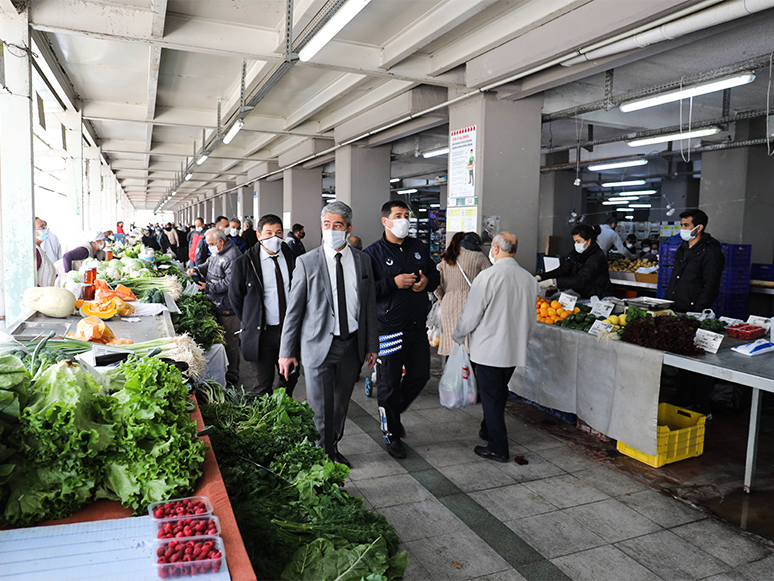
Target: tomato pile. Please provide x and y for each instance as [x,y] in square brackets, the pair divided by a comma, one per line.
[187,507]
[189,558]
[188,527]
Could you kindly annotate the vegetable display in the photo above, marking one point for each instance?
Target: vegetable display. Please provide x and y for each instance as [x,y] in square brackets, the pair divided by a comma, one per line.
[197,318]
[293,517]
[14,383]
[49,300]
[673,334]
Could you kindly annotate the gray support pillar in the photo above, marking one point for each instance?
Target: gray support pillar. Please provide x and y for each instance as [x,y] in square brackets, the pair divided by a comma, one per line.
[363,182]
[507,168]
[209,215]
[73,124]
[558,198]
[267,199]
[17,202]
[245,202]
[302,202]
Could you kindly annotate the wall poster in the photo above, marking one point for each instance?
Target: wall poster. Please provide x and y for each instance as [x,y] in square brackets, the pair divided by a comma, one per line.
[462,162]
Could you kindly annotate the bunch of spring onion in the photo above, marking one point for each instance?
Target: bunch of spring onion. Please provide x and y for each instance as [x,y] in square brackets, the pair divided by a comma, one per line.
[167,283]
[178,348]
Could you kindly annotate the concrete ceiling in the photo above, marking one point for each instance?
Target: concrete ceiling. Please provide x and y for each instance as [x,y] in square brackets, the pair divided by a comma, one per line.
[148,75]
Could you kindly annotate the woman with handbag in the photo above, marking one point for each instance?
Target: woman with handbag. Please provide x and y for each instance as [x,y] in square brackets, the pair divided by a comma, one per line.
[459,265]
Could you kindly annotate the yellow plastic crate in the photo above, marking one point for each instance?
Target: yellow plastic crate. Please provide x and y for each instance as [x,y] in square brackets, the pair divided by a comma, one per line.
[680,436]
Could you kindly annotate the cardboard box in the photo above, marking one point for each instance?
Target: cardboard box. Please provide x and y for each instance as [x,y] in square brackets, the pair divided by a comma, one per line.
[649,278]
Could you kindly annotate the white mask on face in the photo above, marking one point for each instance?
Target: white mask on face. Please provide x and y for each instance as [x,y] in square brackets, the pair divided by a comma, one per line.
[213,249]
[687,235]
[491,255]
[335,238]
[400,228]
[233,231]
[272,244]
[580,247]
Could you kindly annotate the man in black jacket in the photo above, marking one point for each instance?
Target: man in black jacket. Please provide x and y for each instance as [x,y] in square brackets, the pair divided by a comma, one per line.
[699,263]
[260,287]
[404,274]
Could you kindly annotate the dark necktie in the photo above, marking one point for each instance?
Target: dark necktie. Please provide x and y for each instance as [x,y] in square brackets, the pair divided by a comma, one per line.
[283,305]
[342,297]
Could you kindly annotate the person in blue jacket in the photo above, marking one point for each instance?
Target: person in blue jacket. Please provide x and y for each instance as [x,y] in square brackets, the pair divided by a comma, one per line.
[404,274]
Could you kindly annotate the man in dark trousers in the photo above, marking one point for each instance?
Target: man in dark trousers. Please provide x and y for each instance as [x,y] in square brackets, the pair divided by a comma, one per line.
[699,263]
[404,274]
[294,238]
[331,325]
[259,291]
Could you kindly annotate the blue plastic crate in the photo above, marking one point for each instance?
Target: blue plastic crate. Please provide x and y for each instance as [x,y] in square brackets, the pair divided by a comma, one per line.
[661,291]
[664,275]
[737,254]
[732,305]
[734,280]
[760,271]
[666,254]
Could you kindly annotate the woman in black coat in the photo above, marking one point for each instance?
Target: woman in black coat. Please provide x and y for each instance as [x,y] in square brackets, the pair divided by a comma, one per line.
[585,270]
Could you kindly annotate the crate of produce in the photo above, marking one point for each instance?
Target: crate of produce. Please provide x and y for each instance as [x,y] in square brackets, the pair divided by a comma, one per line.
[666,254]
[187,527]
[680,436]
[737,254]
[745,332]
[201,556]
[564,416]
[760,271]
[180,507]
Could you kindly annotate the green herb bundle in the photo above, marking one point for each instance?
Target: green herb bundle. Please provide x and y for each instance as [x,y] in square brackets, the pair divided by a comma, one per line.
[197,318]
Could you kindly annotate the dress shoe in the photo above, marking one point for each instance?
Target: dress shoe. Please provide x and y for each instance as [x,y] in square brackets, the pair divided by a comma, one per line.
[485,452]
[396,450]
[483,436]
[341,459]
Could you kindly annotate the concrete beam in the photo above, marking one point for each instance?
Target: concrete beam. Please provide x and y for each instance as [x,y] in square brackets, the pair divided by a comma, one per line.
[409,128]
[310,147]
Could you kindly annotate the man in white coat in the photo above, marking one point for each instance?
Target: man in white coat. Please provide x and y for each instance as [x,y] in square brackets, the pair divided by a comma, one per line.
[499,316]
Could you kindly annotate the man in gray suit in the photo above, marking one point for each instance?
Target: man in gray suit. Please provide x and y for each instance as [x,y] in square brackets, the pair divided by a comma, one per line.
[331,324]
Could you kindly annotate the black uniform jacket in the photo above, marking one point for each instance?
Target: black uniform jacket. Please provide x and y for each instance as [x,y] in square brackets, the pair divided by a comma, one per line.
[695,281]
[586,273]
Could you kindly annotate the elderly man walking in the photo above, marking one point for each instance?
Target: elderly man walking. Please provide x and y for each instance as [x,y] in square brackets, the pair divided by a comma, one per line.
[498,316]
[331,325]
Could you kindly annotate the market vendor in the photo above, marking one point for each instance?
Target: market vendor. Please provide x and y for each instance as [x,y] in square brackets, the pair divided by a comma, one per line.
[584,271]
[73,260]
[699,263]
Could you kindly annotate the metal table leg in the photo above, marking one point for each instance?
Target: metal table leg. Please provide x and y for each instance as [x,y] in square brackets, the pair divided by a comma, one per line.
[752,439]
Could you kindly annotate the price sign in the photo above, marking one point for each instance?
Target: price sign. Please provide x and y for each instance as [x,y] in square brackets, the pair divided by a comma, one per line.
[764,322]
[729,321]
[708,340]
[600,326]
[602,309]
[567,301]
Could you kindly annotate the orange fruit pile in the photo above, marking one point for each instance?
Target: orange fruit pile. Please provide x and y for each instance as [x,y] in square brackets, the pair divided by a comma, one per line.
[551,311]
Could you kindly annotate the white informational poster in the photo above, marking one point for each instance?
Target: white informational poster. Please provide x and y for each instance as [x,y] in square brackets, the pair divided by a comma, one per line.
[462,162]
[461,219]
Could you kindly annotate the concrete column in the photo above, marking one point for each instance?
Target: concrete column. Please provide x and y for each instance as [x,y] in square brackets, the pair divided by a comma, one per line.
[735,192]
[209,215]
[507,174]
[245,202]
[558,197]
[363,182]
[302,202]
[17,202]
[268,199]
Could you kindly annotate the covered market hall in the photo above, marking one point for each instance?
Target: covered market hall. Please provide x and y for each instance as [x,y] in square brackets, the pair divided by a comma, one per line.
[387,289]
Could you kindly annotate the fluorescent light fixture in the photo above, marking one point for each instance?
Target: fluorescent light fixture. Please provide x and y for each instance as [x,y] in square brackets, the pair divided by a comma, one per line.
[624,184]
[411,191]
[233,131]
[630,217]
[174,192]
[435,205]
[202,159]
[689,92]
[436,152]
[625,198]
[604,166]
[339,20]
[675,136]
[639,206]
[622,209]
[188,176]
[615,202]
[393,180]
[637,193]
[423,209]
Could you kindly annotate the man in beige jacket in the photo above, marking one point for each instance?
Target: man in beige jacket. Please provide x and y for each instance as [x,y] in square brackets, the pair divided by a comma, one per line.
[499,316]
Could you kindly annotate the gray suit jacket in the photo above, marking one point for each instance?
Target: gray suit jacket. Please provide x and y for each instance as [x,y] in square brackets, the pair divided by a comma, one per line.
[310,318]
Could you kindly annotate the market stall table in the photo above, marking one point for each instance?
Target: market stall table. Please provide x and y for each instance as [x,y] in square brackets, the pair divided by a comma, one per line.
[210,485]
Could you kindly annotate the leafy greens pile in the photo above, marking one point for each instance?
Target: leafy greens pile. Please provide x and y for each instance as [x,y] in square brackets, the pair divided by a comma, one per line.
[75,444]
[673,334]
[14,382]
[294,518]
[197,318]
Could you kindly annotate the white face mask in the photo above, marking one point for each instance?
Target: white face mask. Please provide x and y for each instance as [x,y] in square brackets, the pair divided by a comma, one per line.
[335,238]
[687,235]
[199,228]
[272,244]
[400,227]
[213,249]
[234,231]
[580,247]
[491,255]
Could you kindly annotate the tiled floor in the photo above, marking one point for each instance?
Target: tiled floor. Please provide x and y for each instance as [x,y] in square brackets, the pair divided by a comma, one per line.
[562,516]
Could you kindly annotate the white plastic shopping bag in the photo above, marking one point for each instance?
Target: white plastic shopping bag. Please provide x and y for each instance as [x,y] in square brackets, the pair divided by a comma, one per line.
[457,388]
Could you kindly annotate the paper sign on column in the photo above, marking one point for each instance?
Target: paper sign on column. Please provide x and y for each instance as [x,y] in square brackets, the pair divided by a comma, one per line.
[567,301]
[764,322]
[600,326]
[602,309]
[708,340]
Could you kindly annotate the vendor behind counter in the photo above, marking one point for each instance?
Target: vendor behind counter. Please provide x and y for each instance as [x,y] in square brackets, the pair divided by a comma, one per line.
[72,260]
[585,269]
